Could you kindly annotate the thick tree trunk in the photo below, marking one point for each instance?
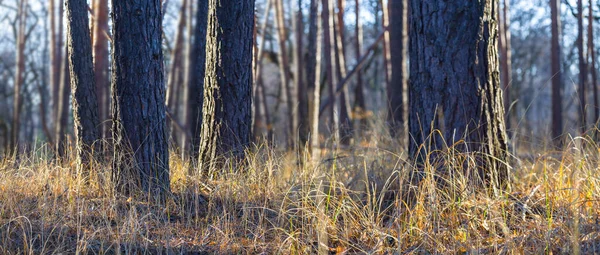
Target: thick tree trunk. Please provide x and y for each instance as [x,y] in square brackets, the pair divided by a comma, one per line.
[227,117]
[592,55]
[85,105]
[582,69]
[556,75]
[455,85]
[19,75]
[141,158]
[100,42]
[195,88]
[398,57]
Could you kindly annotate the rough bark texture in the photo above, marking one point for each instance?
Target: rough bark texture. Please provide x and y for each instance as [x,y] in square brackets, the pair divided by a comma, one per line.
[557,118]
[227,106]
[398,58]
[582,69]
[85,105]
[100,42]
[141,158]
[195,88]
[455,85]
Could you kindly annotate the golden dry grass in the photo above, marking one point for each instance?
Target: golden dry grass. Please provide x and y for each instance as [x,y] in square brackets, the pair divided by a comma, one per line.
[274,205]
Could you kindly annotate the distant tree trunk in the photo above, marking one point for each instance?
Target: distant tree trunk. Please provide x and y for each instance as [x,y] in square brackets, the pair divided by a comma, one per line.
[505,57]
[313,73]
[261,96]
[301,85]
[556,75]
[19,74]
[101,80]
[55,58]
[188,68]
[175,81]
[582,69]
[62,125]
[592,55]
[386,44]
[141,158]
[359,94]
[195,88]
[284,70]
[398,57]
[340,62]
[56,95]
[85,105]
[329,42]
[227,117]
[455,85]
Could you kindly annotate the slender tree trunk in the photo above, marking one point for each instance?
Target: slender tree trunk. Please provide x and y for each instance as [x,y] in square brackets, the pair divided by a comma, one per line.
[85,105]
[284,70]
[19,74]
[340,60]
[329,43]
[360,107]
[301,85]
[227,117]
[455,85]
[195,88]
[398,57]
[557,118]
[54,58]
[100,41]
[59,65]
[505,57]
[175,73]
[141,158]
[386,44]
[592,54]
[62,125]
[582,69]
[313,73]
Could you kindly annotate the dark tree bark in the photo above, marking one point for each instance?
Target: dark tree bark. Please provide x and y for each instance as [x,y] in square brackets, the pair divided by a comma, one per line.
[313,73]
[455,85]
[557,118]
[227,117]
[582,69]
[141,157]
[398,58]
[359,94]
[100,42]
[195,88]
[592,62]
[62,124]
[301,85]
[85,105]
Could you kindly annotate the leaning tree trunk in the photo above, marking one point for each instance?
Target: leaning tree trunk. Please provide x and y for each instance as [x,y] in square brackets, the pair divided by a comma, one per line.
[227,118]
[85,105]
[195,88]
[455,84]
[141,157]
[398,58]
[557,118]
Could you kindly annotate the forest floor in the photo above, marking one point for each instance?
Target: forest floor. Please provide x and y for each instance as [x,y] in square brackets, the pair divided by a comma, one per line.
[348,202]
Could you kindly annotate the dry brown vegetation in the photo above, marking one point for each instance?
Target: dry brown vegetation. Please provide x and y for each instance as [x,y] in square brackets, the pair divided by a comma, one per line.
[274,205]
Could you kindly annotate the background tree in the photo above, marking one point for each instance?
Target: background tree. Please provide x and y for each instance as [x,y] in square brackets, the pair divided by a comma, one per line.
[398,58]
[19,74]
[557,119]
[85,105]
[141,158]
[582,69]
[454,82]
[101,73]
[226,117]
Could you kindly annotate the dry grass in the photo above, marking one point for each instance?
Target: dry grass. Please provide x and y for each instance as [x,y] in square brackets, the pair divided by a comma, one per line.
[276,206]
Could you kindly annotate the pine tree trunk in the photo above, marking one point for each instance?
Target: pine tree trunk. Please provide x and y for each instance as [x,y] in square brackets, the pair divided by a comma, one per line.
[313,73]
[455,85]
[62,125]
[592,55]
[328,44]
[505,57]
[340,60]
[54,57]
[100,42]
[227,117]
[398,58]
[19,75]
[195,88]
[359,94]
[557,118]
[85,105]
[302,89]
[141,158]
[582,69]
[284,71]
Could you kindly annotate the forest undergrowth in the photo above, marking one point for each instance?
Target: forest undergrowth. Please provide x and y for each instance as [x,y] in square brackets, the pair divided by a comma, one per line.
[347,202]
